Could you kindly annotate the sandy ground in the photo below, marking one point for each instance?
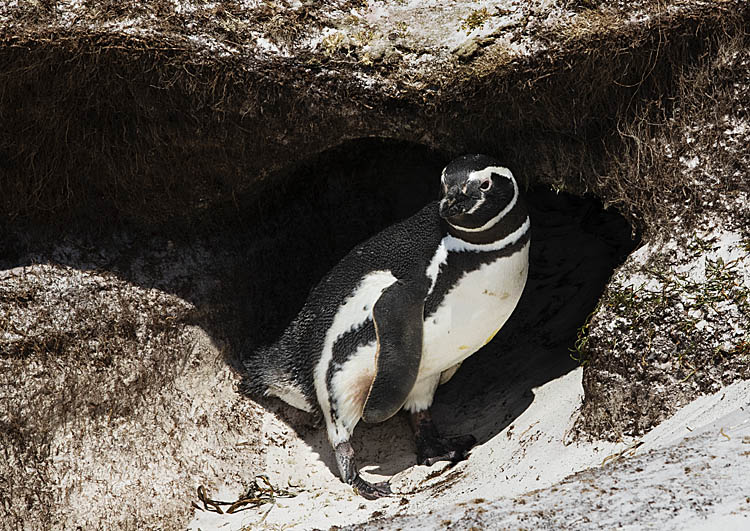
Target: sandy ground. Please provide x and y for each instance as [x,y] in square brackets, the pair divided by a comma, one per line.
[533,452]
[698,482]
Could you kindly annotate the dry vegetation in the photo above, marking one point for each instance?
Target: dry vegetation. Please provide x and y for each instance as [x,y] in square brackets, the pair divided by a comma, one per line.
[76,348]
[683,327]
[702,120]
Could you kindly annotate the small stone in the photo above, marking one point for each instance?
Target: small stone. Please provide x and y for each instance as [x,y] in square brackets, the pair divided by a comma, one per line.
[375,51]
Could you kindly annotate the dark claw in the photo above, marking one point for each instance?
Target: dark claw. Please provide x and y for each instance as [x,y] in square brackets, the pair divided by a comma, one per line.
[371,491]
[345,459]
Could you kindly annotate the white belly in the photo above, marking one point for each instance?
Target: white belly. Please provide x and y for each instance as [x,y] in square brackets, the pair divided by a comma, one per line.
[470,314]
[473,312]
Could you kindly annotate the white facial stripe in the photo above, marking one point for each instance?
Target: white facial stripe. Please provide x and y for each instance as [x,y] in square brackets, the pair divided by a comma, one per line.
[355,310]
[488,171]
[453,244]
[439,258]
[476,207]
[491,223]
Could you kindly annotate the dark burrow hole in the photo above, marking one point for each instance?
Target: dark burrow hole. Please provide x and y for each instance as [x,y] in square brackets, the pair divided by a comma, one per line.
[248,272]
[351,192]
[324,208]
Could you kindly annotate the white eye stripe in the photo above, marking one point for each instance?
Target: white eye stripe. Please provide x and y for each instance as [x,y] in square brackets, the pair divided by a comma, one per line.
[476,206]
[487,172]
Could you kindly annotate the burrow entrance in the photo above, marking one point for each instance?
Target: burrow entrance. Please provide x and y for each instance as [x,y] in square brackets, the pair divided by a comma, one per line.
[314,215]
[248,271]
[325,207]
[300,226]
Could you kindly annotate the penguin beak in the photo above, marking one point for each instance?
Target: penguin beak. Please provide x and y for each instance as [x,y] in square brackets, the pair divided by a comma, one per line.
[449,208]
[451,205]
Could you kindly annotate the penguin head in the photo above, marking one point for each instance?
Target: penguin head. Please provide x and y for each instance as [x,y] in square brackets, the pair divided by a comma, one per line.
[476,192]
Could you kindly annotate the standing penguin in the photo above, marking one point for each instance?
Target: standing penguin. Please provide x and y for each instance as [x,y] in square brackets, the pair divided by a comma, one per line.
[397,315]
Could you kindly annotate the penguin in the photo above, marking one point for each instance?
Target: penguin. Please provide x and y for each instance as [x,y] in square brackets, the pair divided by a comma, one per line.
[397,316]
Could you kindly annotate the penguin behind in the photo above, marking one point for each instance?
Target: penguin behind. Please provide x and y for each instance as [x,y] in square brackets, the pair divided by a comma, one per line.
[397,316]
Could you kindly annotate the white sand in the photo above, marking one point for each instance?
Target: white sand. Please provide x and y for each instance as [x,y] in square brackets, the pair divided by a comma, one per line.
[531,453]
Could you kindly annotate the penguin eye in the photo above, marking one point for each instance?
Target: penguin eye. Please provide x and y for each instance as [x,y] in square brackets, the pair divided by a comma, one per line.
[486,185]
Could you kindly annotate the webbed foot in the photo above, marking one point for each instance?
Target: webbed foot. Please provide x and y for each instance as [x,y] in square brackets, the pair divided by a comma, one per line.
[454,449]
[431,447]
[345,460]
[371,491]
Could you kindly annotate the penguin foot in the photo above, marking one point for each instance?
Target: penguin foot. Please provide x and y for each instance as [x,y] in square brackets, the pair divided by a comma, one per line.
[371,491]
[454,449]
[431,447]
[348,470]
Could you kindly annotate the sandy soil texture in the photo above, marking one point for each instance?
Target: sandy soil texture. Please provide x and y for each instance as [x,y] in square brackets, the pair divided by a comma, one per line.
[688,473]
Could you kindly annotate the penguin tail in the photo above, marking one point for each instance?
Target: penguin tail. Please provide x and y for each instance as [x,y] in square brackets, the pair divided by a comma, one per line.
[267,373]
[259,370]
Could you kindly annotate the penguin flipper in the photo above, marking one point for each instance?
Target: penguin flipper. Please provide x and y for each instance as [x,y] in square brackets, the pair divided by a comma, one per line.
[399,320]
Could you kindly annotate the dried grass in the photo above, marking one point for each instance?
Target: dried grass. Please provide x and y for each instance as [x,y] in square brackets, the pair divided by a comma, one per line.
[646,179]
[148,127]
[74,347]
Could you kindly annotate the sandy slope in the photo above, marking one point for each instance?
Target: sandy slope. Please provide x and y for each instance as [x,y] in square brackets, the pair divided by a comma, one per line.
[525,456]
[698,482]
